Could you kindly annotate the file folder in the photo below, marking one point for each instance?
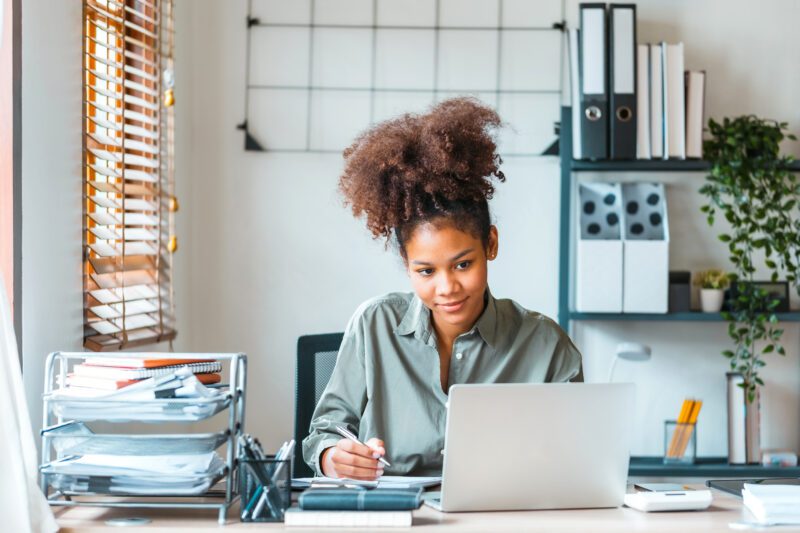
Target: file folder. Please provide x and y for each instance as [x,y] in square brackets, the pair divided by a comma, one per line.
[594,90]
[656,102]
[642,101]
[695,93]
[622,74]
[674,102]
[575,91]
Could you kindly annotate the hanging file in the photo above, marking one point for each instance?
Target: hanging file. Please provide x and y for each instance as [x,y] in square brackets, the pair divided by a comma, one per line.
[594,92]
[642,101]
[622,76]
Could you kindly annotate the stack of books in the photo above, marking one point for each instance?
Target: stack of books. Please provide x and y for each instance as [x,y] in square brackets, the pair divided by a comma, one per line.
[773,504]
[113,373]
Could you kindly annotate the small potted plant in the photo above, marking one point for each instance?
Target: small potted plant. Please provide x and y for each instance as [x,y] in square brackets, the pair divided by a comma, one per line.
[712,285]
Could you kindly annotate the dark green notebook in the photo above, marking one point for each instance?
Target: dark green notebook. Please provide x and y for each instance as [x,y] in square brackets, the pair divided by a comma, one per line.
[343,499]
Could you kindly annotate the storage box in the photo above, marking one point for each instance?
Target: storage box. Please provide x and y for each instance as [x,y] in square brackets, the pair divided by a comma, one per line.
[646,249]
[598,258]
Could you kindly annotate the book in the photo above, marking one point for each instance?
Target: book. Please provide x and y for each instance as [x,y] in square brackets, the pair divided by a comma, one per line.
[343,499]
[123,374]
[298,518]
[695,92]
[141,362]
[92,382]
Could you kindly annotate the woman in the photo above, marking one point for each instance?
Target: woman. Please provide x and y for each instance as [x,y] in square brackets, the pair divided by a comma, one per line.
[424,180]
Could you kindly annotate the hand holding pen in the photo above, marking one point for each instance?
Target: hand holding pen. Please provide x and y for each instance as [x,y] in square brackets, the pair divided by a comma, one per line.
[353,459]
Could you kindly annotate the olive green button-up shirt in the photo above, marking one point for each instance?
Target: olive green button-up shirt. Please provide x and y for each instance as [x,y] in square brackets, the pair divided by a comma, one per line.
[386,382]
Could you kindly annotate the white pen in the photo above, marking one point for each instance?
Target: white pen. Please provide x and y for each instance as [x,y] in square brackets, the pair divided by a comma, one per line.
[346,434]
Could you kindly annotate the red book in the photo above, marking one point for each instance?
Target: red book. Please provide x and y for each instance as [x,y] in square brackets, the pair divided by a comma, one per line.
[138,362]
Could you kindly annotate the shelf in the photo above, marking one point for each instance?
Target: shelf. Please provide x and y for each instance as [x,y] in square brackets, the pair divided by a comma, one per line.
[651,165]
[706,467]
[693,316]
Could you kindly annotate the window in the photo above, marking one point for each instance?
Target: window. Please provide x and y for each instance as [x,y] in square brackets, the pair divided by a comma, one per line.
[128,177]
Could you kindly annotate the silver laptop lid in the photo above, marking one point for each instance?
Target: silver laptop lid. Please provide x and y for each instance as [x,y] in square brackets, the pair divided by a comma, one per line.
[537,446]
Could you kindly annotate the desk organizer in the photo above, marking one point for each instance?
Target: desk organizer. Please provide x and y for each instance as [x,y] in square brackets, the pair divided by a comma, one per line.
[265,487]
[65,437]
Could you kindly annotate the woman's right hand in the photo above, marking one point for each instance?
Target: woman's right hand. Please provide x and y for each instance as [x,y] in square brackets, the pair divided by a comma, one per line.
[353,460]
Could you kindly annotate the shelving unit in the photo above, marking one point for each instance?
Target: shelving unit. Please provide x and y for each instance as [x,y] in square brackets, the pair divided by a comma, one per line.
[59,411]
[568,167]
[708,467]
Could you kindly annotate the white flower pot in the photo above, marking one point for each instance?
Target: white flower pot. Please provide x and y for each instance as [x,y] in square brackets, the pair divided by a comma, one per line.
[711,300]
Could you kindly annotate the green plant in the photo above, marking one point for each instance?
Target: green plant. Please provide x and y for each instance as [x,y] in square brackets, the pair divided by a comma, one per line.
[712,279]
[750,186]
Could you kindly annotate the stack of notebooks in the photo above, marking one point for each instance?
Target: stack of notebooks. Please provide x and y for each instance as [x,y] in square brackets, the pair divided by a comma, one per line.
[356,507]
[629,100]
[773,504]
[113,373]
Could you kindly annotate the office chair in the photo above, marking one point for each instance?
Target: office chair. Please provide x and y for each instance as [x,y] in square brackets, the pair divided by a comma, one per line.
[316,357]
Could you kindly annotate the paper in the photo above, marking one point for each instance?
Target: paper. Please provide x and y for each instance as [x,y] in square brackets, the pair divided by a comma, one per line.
[385,482]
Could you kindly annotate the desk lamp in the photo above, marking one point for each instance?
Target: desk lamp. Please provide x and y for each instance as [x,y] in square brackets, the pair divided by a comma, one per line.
[629,351]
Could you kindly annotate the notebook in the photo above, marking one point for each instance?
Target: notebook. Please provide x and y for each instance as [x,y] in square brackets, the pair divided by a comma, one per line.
[113,372]
[137,362]
[92,382]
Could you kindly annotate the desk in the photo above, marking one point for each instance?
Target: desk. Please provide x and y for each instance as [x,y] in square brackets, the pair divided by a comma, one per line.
[725,509]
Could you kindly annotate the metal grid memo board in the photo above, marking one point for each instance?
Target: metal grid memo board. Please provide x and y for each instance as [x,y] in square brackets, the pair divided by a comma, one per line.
[502,87]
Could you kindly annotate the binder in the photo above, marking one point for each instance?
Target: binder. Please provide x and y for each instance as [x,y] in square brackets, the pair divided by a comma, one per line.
[656,103]
[643,102]
[622,80]
[594,90]
[575,91]
[695,107]
[674,102]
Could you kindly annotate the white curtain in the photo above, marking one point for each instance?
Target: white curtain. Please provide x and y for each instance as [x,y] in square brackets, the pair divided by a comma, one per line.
[23,508]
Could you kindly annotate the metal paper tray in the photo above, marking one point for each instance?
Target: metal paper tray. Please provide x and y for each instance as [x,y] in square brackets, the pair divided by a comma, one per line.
[161,410]
[75,438]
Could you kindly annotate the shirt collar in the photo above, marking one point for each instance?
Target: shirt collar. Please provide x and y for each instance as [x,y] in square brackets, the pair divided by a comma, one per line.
[417,320]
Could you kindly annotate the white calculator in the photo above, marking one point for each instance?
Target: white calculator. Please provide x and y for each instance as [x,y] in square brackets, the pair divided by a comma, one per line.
[673,500]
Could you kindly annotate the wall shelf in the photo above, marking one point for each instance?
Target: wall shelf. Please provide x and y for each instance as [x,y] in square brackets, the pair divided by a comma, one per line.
[706,467]
[694,316]
[650,165]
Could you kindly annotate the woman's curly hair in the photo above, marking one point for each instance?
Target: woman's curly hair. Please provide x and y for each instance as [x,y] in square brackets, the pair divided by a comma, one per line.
[424,168]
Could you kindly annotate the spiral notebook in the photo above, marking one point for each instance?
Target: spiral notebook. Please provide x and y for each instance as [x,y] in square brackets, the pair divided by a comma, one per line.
[123,374]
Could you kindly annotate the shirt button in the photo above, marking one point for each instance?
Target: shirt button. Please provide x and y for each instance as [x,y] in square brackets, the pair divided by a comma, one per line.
[459,355]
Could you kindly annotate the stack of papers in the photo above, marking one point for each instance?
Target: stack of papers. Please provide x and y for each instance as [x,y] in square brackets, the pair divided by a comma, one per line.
[141,475]
[172,397]
[773,504]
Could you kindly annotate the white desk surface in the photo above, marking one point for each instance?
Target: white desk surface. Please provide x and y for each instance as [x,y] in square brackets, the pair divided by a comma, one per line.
[724,510]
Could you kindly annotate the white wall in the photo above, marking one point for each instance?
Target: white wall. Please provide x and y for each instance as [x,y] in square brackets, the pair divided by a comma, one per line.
[52,285]
[274,255]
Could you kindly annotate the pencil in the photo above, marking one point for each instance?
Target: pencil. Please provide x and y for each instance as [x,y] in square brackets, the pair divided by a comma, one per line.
[687,434]
[686,409]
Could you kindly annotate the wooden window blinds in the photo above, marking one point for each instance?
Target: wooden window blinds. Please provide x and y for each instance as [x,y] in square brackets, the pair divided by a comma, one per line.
[128,177]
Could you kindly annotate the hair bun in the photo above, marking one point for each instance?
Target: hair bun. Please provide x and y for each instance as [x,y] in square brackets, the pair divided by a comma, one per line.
[398,167]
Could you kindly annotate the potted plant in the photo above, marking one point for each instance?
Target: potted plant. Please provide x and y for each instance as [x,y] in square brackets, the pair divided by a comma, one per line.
[751,187]
[712,285]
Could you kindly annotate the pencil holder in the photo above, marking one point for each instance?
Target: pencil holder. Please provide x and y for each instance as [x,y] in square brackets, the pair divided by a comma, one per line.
[265,487]
[680,442]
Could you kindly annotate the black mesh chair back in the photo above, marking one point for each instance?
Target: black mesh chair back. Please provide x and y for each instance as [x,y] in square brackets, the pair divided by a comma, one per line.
[316,357]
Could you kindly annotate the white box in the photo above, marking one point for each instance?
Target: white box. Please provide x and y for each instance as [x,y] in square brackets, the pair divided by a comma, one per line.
[646,248]
[598,258]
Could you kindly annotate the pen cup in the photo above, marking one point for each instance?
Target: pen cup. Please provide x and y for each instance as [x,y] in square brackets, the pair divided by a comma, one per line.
[680,442]
[265,488]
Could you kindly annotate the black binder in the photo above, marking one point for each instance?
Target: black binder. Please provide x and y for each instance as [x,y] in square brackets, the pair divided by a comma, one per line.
[594,86]
[622,80]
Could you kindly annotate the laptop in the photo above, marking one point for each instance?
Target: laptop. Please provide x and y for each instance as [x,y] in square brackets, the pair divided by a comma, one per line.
[535,446]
